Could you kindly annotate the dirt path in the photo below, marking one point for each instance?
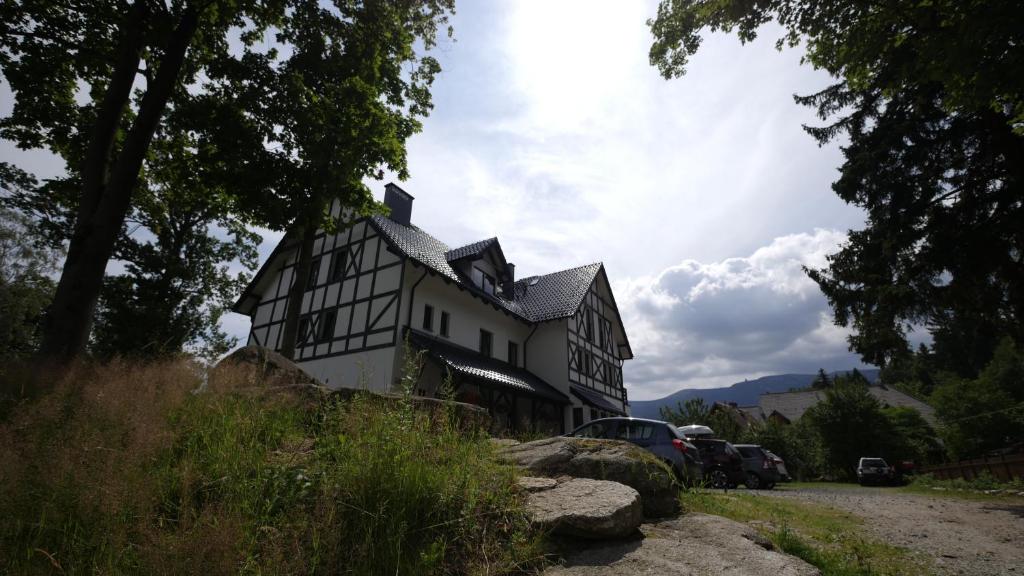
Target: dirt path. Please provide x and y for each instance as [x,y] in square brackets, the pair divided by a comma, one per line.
[969,537]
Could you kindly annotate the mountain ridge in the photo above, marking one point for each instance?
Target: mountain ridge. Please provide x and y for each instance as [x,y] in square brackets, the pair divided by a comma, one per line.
[744,393]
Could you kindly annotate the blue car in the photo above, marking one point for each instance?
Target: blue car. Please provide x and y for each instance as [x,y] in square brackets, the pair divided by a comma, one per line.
[660,438]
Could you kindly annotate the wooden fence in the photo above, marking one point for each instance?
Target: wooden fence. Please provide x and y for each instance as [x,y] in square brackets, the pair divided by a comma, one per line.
[1004,468]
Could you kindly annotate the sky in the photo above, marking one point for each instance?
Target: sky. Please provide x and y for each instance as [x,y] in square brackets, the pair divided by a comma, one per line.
[702,195]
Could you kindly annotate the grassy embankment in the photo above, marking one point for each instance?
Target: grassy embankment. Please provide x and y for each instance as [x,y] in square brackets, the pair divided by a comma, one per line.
[832,540]
[123,469]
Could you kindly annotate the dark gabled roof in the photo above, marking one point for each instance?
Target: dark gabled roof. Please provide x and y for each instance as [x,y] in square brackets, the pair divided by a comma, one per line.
[536,299]
[595,399]
[792,405]
[492,371]
[555,295]
[470,250]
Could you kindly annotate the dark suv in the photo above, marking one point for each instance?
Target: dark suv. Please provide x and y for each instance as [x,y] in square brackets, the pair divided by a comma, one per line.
[759,467]
[723,465]
[660,438]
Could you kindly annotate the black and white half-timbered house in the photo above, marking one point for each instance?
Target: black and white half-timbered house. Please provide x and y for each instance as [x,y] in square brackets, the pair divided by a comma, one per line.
[542,353]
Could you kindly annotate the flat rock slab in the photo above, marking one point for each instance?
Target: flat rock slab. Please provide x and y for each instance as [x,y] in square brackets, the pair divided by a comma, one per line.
[531,484]
[694,544]
[587,508]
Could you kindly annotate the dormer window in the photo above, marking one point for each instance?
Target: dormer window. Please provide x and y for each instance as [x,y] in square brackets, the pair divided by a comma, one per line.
[483,280]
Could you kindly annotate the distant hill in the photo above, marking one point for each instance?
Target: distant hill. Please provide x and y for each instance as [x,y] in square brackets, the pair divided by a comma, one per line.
[742,393]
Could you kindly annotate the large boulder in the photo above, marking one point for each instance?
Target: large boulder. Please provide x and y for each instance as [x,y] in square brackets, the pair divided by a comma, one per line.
[585,508]
[614,460]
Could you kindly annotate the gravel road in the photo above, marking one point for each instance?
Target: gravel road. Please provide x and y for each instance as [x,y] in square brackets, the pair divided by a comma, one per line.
[969,537]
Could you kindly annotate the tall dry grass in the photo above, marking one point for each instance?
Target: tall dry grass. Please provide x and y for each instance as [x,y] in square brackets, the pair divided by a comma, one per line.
[129,468]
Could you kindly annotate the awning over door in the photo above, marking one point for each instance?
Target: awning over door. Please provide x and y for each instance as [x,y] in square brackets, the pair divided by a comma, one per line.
[594,399]
[495,372]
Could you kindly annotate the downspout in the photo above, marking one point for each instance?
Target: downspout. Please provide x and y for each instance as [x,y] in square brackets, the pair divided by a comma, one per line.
[526,343]
[412,298]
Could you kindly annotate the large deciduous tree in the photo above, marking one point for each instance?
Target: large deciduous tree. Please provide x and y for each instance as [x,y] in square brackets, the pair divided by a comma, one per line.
[347,98]
[930,97]
[93,82]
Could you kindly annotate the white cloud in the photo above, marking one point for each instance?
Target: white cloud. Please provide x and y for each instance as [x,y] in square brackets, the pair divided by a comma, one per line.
[698,325]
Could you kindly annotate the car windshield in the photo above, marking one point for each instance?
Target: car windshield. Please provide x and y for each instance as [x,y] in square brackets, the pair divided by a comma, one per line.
[874,462]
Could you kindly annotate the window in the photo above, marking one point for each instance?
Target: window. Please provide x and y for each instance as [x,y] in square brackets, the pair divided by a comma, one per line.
[303,336]
[577,417]
[595,430]
[338,261]
[635,431]
[588,320]
[444,324]
[428,318]
[325,324]
[606,334]
[483,280]
[486,339]
[314,273]
[513,353]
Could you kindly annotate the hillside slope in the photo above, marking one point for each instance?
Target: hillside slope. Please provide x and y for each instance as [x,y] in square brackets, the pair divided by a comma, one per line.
[743,393]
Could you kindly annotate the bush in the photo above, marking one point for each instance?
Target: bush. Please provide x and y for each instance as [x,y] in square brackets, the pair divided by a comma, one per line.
[984,481]
[124,469]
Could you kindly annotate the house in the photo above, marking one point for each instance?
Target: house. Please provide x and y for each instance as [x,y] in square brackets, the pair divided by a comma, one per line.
[788,407]
[542,353]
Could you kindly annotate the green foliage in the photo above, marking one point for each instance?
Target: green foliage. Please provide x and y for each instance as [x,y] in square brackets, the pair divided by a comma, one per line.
[126,470]
[983,481]
[929,102]
[985,413]
[26,287]
[694,411]
[821,381]
[797,444]
[851,425]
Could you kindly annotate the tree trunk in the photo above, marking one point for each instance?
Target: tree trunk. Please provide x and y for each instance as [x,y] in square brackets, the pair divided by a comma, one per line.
[69,320]
[297,290]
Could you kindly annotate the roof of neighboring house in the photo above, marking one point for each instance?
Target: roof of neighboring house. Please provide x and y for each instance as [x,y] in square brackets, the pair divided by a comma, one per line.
[471,363]
[595,399]
[792,405]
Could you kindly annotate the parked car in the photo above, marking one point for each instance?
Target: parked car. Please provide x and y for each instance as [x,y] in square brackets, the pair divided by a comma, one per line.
[723,465]
[780,465]
[660,438]
[874,471]
[758,467]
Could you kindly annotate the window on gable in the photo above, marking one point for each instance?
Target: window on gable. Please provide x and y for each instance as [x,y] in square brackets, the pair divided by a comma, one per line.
[314,273]
[428,318]
[588,320]
[338,261]
[325,324]
[579,360]
[444,324]
[513,353]
[486,341]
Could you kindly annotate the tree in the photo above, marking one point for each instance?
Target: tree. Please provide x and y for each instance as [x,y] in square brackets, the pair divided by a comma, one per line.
[821,381]
[26,288]
[348,98]
[985,413]
[693,411]
[930,96]
[850,424]
[105,47]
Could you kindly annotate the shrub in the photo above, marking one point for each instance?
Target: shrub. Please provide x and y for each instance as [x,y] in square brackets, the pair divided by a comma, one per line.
[126,468]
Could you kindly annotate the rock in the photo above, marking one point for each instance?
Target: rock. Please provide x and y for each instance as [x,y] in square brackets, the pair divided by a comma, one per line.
[503,442]
[585,508]
[531,484]
[693,544]
[614,460]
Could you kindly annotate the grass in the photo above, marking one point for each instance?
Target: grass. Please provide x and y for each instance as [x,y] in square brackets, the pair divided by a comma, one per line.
[123,469]
[974,489]
[832,540]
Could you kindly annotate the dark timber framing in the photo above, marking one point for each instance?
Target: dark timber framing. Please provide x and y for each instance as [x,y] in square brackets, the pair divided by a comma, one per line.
[366,311]
[594,360]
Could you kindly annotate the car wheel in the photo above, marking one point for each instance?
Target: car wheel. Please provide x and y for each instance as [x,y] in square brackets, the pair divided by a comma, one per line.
[719,479]
[753,481]
[770,486]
